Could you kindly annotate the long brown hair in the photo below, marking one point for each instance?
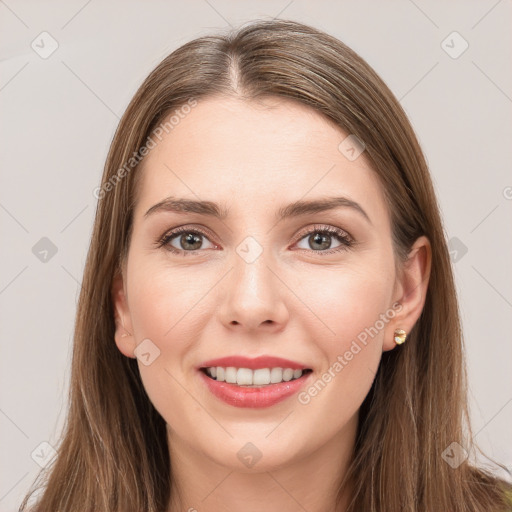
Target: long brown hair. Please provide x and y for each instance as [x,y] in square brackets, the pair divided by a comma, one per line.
[113,454]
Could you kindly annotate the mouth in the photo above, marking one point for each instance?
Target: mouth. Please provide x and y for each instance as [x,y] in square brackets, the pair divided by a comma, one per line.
[253,378]
[257,382]
[254,388]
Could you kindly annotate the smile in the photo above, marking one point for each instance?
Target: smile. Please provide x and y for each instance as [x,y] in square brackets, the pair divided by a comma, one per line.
[253,378]
[253,395]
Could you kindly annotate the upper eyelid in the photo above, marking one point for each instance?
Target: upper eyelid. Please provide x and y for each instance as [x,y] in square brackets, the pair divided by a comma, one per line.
[323,227]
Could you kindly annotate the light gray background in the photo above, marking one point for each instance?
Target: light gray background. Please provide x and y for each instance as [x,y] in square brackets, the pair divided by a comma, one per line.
[59,115]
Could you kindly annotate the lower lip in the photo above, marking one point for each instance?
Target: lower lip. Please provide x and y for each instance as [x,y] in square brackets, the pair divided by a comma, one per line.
[265,396]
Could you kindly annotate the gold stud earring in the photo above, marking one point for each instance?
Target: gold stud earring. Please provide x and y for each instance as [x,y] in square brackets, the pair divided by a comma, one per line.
[125,335]
[400,336]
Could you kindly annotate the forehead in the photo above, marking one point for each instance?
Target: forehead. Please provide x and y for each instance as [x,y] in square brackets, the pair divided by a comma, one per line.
[250,154]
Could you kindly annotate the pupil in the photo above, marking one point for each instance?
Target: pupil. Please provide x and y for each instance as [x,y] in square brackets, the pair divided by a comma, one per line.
[318,238]
[192,239]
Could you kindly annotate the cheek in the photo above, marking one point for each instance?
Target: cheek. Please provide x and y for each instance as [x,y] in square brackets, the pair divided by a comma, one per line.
[165,307]
[162,300]
[354,308]
[161,309]
[348,301]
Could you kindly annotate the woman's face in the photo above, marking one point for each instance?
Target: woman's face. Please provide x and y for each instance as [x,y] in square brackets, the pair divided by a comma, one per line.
[264,280]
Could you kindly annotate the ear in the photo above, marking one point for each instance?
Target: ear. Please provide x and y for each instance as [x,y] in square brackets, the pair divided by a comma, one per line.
[410,290]
[124,338]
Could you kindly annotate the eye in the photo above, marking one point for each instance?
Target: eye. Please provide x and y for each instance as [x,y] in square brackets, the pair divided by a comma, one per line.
[319,239]
[184,240]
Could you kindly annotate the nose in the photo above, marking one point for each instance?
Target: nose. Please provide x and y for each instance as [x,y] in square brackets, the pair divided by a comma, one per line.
[252,297]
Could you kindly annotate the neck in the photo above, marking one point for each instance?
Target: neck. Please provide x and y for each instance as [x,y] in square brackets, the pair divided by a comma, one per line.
[310,483]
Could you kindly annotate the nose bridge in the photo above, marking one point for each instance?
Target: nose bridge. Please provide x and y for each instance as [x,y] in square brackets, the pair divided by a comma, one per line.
[252,279]
[254,295]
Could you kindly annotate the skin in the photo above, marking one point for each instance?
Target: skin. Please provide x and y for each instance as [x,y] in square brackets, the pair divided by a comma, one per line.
[291,302]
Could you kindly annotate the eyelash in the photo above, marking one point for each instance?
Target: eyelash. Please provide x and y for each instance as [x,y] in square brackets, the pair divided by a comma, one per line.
[346,241]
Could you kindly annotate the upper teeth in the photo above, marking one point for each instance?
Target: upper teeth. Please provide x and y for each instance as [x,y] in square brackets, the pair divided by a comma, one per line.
[248,377]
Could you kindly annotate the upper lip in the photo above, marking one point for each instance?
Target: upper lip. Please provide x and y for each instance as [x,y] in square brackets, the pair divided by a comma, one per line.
[254,363]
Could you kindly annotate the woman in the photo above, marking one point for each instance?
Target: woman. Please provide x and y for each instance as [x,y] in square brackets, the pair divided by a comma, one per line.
[268,316]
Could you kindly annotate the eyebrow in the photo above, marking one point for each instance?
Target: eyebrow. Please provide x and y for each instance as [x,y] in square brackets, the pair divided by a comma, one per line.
[295,209]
